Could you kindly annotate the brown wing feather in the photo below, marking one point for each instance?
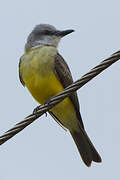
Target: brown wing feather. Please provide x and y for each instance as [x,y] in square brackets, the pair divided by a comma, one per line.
[20,77]
[63,73]
[65,77]
[57,120]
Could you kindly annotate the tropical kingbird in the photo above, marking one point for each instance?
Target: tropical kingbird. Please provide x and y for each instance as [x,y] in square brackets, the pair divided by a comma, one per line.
[45,73]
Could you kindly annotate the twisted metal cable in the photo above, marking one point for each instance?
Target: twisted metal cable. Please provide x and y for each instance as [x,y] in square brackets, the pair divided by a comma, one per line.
[59,97]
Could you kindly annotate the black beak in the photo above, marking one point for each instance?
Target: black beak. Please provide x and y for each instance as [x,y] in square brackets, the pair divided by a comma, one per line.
[64,33]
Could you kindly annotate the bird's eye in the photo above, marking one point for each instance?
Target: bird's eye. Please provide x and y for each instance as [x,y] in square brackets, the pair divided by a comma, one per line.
[47,32]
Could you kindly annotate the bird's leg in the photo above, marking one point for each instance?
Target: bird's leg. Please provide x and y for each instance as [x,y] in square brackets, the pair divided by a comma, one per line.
[35,111]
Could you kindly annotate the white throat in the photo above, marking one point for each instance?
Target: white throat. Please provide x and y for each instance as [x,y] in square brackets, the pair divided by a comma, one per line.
[49,40]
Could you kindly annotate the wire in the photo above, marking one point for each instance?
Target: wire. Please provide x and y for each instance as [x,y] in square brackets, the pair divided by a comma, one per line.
[59,97]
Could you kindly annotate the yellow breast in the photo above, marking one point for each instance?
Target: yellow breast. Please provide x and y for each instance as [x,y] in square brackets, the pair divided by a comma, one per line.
[38,73]
[37,70]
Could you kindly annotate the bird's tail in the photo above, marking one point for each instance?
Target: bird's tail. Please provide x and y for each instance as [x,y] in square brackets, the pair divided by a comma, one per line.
[85,147]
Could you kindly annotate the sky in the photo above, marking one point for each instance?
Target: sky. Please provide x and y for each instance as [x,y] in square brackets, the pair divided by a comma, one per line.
[44,150]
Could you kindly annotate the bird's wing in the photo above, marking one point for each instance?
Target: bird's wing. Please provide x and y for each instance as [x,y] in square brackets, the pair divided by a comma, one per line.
[57,120]
[20,77]
[64,75]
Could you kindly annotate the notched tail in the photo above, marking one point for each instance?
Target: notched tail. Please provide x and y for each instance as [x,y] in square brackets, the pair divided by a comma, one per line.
[85,147]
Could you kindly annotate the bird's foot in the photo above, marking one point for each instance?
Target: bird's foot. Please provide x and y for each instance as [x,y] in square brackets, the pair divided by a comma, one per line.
[35,111]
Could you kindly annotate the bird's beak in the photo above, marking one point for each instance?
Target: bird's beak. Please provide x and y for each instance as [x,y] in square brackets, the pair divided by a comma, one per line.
[64,33]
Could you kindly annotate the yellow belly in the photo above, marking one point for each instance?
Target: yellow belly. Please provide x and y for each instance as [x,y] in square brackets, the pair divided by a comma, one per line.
[42,83]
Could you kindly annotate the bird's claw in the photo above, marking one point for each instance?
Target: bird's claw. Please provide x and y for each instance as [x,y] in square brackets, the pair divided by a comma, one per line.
[35,111]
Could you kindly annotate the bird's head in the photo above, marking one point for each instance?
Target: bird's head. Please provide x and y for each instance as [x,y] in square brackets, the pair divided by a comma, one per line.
[45,34]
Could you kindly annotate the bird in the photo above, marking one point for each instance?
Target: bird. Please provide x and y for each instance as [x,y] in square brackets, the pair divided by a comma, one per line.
[45,73]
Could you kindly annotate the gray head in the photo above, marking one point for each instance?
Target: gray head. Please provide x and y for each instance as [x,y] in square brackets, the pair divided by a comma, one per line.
[45,34]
